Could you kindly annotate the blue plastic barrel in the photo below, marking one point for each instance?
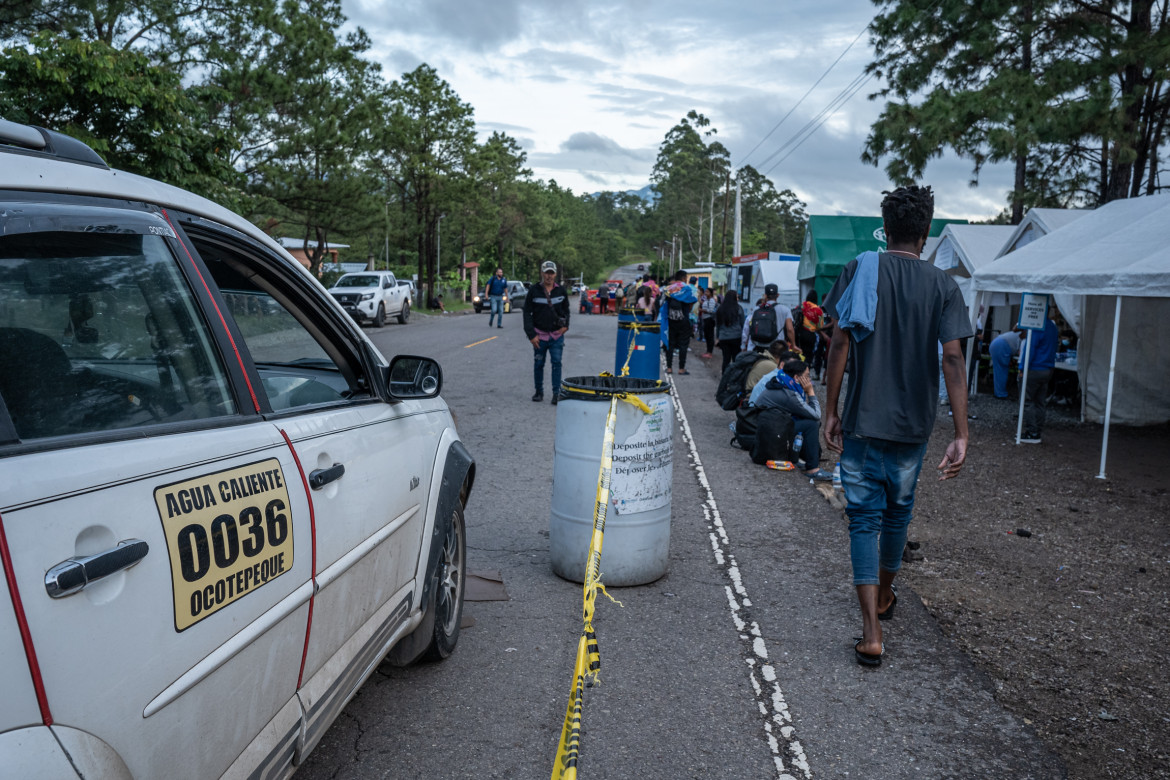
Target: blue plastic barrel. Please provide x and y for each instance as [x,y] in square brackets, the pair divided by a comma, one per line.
[643,331]
[636,549]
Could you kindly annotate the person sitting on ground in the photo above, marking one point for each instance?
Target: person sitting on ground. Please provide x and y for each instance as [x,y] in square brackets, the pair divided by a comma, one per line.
[772,361]
[437,303]
[781,359]
[791,389]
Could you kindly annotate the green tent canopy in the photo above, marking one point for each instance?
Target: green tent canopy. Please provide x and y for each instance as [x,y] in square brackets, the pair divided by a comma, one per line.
[831,242]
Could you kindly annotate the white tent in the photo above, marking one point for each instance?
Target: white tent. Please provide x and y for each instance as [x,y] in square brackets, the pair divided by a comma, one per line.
[1118,252]
[1037,223]
[961,249]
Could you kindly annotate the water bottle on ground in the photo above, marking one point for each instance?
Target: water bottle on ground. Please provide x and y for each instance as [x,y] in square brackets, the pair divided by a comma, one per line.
[837,477]
[797,442]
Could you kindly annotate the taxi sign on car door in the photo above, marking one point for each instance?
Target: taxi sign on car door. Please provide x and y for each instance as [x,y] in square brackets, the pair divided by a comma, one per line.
[228,533]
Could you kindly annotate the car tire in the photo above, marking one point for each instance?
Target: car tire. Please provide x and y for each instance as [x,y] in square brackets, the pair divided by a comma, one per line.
[404,315]
[380,317]
[451,577]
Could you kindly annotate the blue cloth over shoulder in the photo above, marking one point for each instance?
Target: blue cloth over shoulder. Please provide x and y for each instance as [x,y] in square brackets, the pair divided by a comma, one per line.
[858,305]
[681,292]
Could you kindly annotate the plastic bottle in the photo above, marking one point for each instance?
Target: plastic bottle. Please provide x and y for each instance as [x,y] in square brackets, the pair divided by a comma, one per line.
[780,465]
[797,442]
[837,477]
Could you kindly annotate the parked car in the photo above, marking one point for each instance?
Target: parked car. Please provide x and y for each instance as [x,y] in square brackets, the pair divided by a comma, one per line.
[372,295]
[221,506]
[517,291]
[409,285]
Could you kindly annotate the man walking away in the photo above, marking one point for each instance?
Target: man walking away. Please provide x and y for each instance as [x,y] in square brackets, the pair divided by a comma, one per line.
[891,309]
[497,288]
[768,322]
[675,318]
[729,322]
[1041,363]
[546,319]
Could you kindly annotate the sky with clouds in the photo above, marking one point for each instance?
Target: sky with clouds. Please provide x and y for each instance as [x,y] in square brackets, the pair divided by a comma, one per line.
[589,88]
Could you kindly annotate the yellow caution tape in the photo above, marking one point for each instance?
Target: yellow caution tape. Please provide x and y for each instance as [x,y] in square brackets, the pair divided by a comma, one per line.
[587,669]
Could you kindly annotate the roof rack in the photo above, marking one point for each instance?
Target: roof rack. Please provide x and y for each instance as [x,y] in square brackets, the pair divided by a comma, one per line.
[47,143]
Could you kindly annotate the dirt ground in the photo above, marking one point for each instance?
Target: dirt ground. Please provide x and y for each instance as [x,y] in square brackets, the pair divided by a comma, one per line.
[1069,622]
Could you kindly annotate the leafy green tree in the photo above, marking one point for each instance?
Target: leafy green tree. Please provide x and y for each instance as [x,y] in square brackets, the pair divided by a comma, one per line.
[318,128]
[425,142]
[772,221]
[1072,92]
[689,172]
[135,114]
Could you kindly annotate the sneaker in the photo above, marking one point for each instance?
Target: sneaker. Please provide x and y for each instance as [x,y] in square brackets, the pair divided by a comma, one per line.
[1030,438]
[538,396]
[821,475]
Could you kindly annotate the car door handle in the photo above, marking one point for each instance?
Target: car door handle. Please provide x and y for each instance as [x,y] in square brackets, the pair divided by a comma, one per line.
[322,477]
[68,577]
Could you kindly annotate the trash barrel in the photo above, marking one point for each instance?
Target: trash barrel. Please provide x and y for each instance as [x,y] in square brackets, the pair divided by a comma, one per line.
[643,332]
[637,526]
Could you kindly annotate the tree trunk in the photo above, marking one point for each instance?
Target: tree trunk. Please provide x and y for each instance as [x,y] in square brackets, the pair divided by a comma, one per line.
[1133,83]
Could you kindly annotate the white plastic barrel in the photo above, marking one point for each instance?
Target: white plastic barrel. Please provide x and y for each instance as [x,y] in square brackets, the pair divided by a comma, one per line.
[637,528]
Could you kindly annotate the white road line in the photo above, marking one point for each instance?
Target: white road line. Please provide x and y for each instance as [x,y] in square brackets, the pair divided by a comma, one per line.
[786,750]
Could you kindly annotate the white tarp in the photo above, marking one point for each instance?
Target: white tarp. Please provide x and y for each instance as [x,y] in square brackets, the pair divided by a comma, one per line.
[1120,249]
[961,249]
[1039,222]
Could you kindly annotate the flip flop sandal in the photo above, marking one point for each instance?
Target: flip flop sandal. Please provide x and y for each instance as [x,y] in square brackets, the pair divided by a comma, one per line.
[867,659]
[889,613]
[669,371]
[683,371]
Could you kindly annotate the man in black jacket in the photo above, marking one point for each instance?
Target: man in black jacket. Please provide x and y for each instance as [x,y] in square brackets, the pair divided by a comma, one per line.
[546,318]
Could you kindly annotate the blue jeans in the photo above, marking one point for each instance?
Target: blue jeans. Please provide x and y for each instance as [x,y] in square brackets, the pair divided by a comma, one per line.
[553,347]
[497,310]
[879,478]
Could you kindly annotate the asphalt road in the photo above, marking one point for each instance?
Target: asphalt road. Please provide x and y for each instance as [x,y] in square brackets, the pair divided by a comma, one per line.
[736,664]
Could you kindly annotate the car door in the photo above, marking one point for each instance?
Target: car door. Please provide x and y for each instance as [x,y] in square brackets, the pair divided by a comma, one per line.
[390,294]
[369,463]
[158,529]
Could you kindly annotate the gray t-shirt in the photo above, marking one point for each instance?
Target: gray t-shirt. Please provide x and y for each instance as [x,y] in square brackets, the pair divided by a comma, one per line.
[893,373]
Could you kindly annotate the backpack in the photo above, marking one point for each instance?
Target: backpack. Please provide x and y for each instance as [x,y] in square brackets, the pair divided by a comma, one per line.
[764,329]
[775,433]
[732,387]
[746,418]
[798,315]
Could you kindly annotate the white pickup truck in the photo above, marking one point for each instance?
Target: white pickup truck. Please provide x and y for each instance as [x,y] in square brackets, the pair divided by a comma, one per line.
[373,296]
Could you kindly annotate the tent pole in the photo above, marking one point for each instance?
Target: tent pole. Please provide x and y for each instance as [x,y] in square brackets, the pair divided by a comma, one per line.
[1109,392]
[1024,387]
[972,390]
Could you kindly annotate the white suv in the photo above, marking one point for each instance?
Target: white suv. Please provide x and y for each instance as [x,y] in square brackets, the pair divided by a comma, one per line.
[221,507]
[373,296]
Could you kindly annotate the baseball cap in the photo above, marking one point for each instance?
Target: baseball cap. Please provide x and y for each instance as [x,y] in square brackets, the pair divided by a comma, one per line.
[548,265]
[771,289]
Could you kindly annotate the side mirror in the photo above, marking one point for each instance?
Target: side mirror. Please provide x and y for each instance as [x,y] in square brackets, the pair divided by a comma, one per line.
[411,376]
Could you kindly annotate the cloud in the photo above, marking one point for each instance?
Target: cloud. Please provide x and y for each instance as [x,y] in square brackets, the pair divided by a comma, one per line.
[560,62]
[599,144]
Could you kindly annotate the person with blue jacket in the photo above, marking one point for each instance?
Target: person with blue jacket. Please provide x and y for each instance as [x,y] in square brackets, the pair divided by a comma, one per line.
[1041,360]
[497,288]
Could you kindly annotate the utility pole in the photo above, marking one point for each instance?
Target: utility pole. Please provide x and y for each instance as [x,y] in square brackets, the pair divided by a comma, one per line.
[387,235]
[711,228]
[723,234]
[738,223]
[438,249]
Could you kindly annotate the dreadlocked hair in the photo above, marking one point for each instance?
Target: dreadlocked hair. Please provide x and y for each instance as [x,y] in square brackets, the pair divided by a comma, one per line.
[907,212]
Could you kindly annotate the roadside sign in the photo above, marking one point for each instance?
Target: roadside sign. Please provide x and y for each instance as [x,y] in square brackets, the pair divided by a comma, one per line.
[1033,311]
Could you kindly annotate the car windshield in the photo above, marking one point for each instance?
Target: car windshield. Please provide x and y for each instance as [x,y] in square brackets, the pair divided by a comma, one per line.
[357,281]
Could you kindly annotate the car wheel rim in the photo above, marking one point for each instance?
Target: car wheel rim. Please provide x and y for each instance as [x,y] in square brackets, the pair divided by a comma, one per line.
[450,577]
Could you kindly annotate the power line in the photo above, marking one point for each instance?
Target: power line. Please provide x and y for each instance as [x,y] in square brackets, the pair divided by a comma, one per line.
[805,95]
[826,113]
